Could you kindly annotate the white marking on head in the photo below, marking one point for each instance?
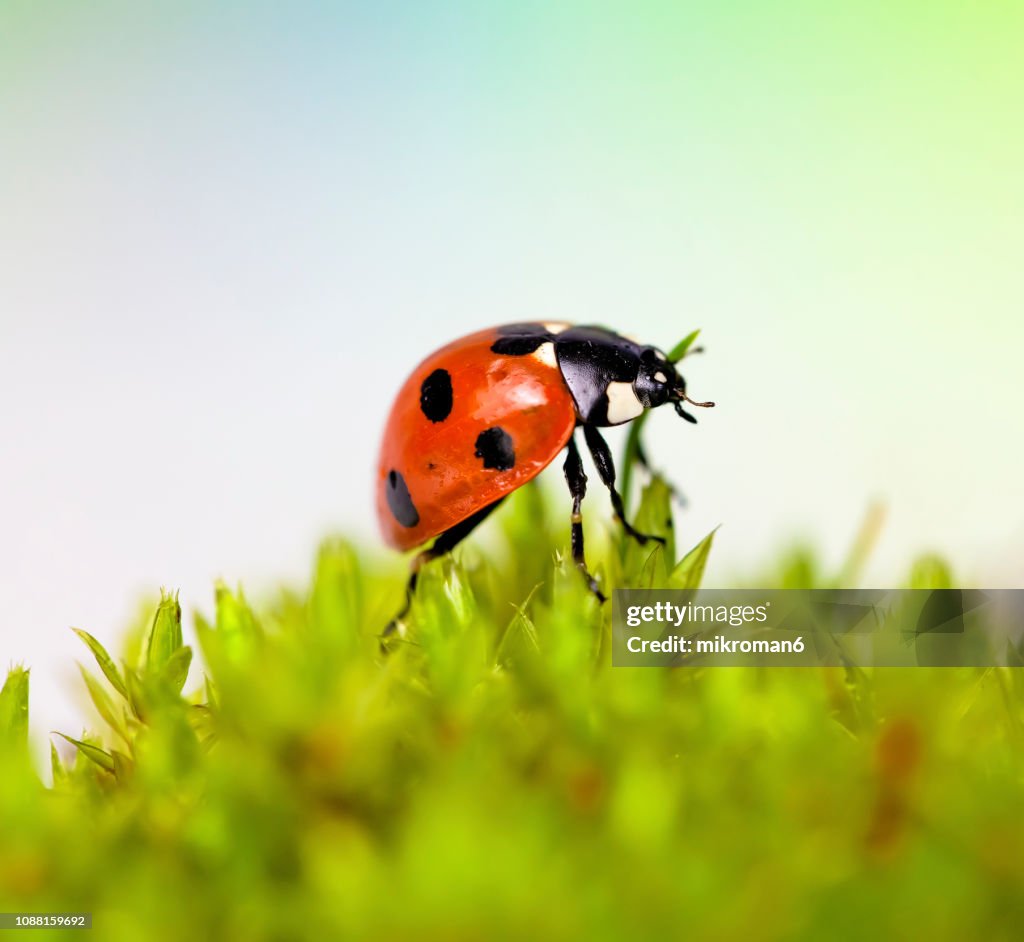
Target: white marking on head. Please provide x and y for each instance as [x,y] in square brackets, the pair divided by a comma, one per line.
[660,377]
[545,354]
[661,356]
[623,404]
[556,327]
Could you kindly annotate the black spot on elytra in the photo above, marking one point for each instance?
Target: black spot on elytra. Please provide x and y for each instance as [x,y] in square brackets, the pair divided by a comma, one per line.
[518,340]
[494,448]
[399,500]
[436,396]
[517,346]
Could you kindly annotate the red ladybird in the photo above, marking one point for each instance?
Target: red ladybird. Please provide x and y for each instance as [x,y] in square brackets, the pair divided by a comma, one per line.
[488,412]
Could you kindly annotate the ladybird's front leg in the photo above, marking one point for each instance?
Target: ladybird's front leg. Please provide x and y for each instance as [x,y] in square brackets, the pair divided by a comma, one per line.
[577,481]
[606,469]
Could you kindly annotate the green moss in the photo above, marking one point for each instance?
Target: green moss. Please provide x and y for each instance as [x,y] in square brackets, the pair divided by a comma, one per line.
[495,778]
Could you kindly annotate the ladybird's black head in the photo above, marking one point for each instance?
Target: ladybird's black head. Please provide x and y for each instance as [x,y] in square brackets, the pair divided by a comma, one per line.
[656,378]
[658,382]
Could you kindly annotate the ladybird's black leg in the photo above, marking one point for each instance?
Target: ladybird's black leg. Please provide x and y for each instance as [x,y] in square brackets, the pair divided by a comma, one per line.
[577,482]
[410,587]
[606,469]
[444,544]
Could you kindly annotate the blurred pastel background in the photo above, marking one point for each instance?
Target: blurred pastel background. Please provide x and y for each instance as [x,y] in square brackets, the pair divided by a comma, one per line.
[227,231]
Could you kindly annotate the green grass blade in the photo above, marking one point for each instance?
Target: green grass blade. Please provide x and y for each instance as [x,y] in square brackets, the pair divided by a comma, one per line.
[682,348]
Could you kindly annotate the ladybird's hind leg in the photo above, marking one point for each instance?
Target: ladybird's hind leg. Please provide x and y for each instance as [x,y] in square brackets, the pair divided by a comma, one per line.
[577,481]
[602,456]
[443,545]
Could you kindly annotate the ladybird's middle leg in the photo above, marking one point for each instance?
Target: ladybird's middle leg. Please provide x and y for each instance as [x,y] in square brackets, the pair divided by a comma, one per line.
[602,456]
[577,481]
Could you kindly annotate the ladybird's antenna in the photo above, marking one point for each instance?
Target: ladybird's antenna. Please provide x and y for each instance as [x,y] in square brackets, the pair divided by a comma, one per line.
[686,415]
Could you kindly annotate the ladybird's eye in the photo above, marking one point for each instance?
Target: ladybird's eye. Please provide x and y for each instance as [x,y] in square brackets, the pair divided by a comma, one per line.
[657,368]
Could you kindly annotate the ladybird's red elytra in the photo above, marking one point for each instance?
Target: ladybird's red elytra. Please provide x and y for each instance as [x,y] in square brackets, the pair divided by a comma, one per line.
[483,415]
[468,427]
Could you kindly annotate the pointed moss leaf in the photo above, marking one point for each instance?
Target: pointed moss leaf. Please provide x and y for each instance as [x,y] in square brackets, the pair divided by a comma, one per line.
[336,600]
[930,572]
[136,694]
[122,765]
[209,642]
[236,630]
[175,671]
[654,574]
[103,702]
[690,570]
[14,709]
[211,692]
[445,605]
[164,636]
[203,721]
[93,753]
[60,774]
[105,662]
[233,613]
[654,517]
[800,569]
[520,639]
[460,596]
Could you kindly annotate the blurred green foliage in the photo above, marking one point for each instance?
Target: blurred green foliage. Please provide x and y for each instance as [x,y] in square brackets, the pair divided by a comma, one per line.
[495,778]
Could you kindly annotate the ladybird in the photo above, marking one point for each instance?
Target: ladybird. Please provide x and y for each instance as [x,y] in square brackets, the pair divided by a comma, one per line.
[488,412]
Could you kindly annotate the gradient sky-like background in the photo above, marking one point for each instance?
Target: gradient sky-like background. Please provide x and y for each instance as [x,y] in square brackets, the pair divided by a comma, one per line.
[227,232]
